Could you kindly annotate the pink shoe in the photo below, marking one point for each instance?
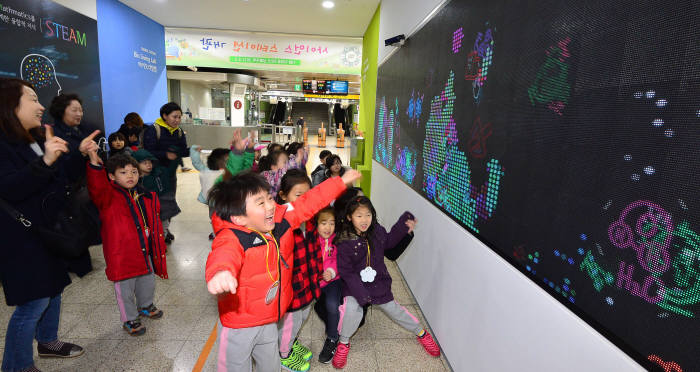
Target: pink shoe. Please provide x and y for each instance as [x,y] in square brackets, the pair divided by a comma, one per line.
[428,344]
[340,359]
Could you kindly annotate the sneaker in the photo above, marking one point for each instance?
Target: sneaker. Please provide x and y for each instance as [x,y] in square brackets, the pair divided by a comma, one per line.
[59,349]
[301,350]
[134,328]
[340,359]
[429,344]
[151,311]
[294,363]
[328,351]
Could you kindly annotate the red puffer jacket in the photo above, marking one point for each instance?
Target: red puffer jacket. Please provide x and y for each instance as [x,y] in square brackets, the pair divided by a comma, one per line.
[127,245]
[246,255]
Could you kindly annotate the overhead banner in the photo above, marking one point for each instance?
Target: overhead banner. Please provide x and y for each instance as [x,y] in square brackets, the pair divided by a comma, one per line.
[262,51]
[55,49]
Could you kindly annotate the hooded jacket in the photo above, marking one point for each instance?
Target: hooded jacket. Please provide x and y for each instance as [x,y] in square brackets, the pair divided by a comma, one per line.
[243,252]
[132,232]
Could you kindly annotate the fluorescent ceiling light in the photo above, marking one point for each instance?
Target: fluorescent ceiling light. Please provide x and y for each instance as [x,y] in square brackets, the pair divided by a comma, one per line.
[328,4]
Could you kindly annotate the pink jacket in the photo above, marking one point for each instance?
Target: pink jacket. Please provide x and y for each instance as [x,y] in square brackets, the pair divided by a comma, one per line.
[330,257]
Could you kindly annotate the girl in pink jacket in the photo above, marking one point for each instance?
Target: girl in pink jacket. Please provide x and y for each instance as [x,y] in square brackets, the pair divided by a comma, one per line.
[330,285]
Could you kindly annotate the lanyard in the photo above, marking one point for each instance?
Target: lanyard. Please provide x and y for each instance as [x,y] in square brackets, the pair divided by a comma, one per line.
[267,252]
[143,215]
[369,254]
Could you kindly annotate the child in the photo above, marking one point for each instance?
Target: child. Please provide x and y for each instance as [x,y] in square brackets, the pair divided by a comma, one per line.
[216,162]
[330,285]
[258,153]
[117,144]
[361,242]
[306,275]
[132,237]
[280,162]
[318,175]
[159,179]
[250,264]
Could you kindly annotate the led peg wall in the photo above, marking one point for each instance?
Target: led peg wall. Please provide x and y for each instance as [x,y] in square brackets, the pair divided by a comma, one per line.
[565,135]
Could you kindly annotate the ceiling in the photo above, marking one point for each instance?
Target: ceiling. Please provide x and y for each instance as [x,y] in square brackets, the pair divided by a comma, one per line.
[347,18]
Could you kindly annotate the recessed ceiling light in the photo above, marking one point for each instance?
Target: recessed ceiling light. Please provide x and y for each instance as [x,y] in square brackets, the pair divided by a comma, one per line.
[328,4]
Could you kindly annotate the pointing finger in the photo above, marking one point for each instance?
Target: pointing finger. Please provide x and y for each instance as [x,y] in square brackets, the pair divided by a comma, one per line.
[93,135]
[49,132]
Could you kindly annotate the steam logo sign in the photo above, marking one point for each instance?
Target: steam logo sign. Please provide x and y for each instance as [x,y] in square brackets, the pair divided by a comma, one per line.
[39,70]
[237,104]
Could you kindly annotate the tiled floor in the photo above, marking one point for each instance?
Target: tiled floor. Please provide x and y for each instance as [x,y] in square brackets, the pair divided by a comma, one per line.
[89,315]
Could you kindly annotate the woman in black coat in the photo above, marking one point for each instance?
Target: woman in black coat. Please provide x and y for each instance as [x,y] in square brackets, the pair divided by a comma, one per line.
[67,113]
[33,181]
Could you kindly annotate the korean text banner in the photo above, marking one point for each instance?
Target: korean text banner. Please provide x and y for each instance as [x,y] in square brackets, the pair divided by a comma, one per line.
[262,51]
[55,49]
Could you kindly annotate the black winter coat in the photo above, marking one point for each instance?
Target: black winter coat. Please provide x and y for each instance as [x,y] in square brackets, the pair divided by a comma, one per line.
[28,270]
[76,177]
[167,142]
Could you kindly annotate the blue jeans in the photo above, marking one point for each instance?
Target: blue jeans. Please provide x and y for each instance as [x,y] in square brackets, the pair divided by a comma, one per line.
[35,319]
[333,299]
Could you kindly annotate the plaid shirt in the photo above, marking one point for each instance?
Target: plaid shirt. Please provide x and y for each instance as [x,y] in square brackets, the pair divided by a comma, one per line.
[308,268]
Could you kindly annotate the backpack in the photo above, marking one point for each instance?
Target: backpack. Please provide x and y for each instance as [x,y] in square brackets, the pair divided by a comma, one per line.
[157,129]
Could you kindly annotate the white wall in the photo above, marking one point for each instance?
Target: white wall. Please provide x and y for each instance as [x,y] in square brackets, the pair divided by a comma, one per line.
[486,315]
[401,17]
[194,95]
[85,7]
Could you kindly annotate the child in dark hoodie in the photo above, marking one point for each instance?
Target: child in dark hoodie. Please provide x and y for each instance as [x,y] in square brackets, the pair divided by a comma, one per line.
[361,242]
[159,179]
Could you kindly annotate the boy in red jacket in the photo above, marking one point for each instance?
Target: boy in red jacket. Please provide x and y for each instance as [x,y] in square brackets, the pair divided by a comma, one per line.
[132,236]
[249,266]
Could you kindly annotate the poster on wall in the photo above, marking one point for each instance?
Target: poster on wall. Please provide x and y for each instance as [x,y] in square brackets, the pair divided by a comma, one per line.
[55,49]
[262,51]
[565,137]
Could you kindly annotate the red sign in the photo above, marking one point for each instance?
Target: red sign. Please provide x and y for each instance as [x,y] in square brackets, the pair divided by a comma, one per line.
[237,104]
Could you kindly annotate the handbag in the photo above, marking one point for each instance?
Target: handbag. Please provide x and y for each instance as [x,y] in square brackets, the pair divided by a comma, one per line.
[67,234]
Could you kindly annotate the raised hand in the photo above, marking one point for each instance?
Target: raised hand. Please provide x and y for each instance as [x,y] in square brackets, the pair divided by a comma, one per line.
[88,144]
[351,176]
[171,155]
[222,282]
[54,147]
[328,275]
[237,142]
[411,225]
[94,158]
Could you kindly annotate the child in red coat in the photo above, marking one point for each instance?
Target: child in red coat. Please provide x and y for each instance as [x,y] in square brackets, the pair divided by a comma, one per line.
[250,264]
[132,236]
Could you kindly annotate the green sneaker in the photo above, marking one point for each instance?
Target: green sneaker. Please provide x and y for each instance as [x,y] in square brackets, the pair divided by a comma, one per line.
[302,351]
[294,363]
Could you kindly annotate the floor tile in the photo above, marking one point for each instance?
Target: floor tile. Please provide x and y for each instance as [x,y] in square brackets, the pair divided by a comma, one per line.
[144,355]
[405,355]
[102,323]
[187,292]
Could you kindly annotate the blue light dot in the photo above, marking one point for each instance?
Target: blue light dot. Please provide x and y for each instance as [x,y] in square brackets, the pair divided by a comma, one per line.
[638,94]
[649,170]
[661,103]
[651,94]
[571,299]
[583,237]
[551,284]
[628,157]
[657,122]
[609,300]
[580,251]
[571,261]
[669,133]
[556,253]
[565,287]
[635,177]
[528,268]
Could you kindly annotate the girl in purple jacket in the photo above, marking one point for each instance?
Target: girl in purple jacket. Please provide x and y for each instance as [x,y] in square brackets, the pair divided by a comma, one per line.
[361,242]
